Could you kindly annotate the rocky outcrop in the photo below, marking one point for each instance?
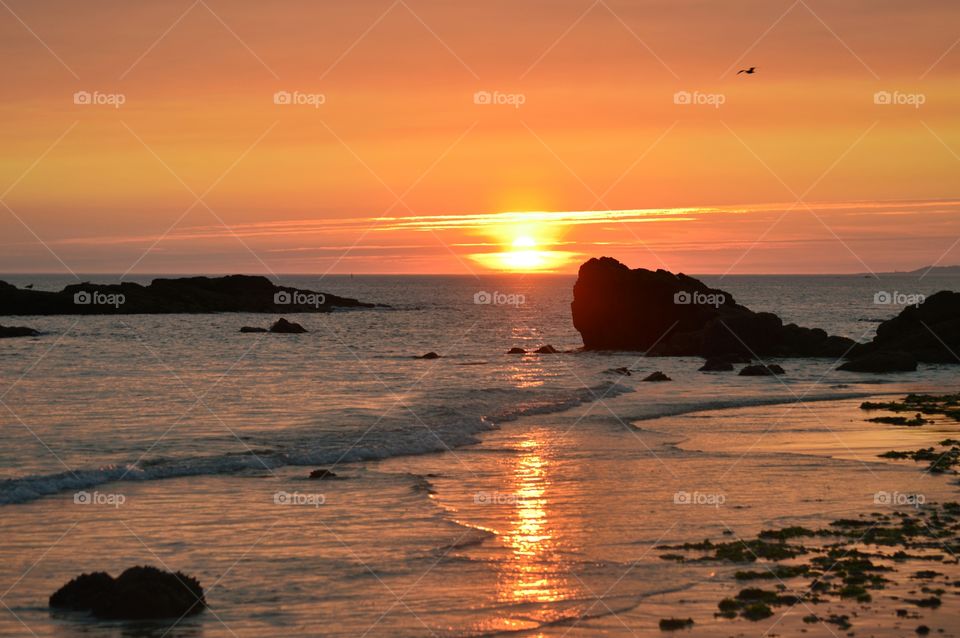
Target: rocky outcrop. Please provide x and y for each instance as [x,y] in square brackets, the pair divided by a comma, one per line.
[138,593]
[234,293]
[17,331]
[663,314]
[929,332]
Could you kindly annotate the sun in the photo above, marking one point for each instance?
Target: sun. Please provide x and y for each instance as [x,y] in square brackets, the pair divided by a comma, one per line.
[524,255]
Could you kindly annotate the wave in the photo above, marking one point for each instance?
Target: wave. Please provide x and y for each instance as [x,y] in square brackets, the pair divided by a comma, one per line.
[455,429]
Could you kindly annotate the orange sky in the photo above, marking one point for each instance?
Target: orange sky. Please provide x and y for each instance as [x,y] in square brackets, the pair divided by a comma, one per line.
[399,170]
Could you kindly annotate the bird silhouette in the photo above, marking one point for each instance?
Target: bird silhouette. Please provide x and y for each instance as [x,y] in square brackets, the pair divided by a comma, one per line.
[749,71]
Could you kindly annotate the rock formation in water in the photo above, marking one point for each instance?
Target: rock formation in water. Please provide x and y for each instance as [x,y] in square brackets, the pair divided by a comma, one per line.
[663,314]
[233,293]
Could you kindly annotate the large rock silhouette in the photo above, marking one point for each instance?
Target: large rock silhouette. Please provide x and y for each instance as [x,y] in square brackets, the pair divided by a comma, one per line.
[233,293]
[666,314]
[929,332]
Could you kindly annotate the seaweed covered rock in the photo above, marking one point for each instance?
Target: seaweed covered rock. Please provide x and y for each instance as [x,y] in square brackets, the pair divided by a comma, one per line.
[138,593]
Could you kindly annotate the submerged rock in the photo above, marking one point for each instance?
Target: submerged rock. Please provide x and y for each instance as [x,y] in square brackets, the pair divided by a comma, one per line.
[657,376]
[516,351]
[252,329]
[761,370]
[17,331]
[547,349]
[716,365]
[666,314]
[881,362]
[323,474]
[623,370]
[138,593]
[282,326]
[429,355]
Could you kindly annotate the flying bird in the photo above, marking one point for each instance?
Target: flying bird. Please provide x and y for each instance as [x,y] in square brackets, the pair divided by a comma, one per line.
[749,71]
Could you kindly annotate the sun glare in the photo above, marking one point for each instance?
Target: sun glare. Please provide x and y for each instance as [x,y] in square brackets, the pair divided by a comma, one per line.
[525,246]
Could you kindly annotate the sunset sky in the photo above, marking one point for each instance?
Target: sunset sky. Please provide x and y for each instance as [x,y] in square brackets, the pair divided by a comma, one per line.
[390,165]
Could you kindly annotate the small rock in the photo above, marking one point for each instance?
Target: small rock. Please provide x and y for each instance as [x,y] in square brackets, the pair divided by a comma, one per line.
[429,355]
[252,329]
[283,326]
[923,630]
[516,351]
[547,349]
[624,371]
[323,474]
[657,376]
[761,371]
[716,365]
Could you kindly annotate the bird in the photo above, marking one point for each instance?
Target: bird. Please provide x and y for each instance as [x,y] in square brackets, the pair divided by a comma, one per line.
[749,71]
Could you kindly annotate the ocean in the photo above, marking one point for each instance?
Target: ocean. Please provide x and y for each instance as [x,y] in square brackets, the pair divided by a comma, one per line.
[482,493]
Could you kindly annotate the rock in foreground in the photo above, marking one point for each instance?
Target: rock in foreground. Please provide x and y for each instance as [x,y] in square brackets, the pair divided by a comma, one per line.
[138,593]
[658,312]
[234,293]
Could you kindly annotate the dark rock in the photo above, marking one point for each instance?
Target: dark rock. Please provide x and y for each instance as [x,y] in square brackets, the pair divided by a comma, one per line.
[716,365]
[429,355]
[547,349]
[252,329]
[138,593]
[657,376]
[17,331]
[616,308]
[930,332]
[516,351]
[234,293]
[761,370]
[881,362]
[323,474]
[624,371]
[283,326]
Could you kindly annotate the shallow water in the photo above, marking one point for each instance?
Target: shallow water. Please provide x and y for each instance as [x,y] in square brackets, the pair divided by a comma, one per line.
[193,443]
